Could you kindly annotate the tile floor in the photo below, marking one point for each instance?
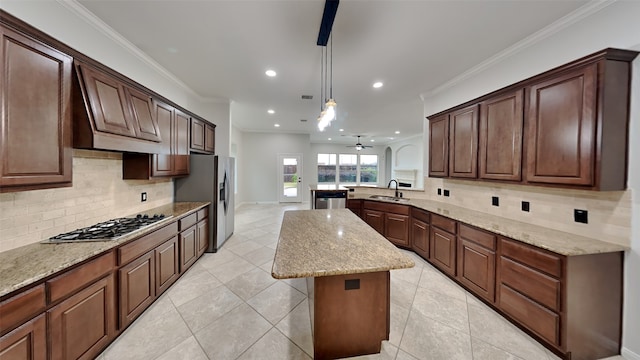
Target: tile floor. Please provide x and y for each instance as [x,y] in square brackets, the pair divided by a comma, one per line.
[227,306]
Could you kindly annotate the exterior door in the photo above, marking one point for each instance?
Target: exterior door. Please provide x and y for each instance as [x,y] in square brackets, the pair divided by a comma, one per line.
[290,178]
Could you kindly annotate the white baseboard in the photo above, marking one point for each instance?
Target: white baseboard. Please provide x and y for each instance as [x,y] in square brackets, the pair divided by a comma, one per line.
[629,355]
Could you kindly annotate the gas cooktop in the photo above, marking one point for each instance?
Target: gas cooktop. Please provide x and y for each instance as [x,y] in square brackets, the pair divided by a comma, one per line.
[107,230]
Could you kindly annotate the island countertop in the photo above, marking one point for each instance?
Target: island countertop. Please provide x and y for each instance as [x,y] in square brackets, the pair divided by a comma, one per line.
[315,243]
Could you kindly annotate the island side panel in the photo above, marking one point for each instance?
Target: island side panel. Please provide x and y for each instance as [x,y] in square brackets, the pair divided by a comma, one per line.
[351,314]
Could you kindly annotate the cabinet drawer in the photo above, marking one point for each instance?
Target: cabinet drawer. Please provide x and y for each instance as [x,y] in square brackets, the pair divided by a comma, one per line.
[67,283]
[21,307]
[443,223]
[386,207]
[202,213]
[537,286]
[141,246]
[537,259]
[479,237]
[188,221]
[420,215]
[543,321]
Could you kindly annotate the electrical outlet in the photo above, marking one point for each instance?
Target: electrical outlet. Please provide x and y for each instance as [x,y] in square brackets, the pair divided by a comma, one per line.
[143,197]
[525,206]
[446,192]
[495,201]
[581,216]
[439,191]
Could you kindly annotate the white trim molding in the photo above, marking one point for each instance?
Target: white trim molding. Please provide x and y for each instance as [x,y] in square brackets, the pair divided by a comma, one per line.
[629,355]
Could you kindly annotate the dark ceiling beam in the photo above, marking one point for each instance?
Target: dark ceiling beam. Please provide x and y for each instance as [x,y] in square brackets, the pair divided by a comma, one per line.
[329,14]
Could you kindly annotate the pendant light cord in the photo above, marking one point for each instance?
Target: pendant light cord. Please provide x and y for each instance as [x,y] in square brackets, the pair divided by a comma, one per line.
[321,77]
[331,78]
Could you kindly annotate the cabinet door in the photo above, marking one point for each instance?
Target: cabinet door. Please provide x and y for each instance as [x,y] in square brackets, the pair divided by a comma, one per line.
[137,287]
[375,219]
[561,129]
[197,134]
[81,326]
[163,161]
[203,236]
[501,137]
[463,143]
[355,205]
[420,237]
[28,342]
[442,250]
[167,269]
[396,229]
[210,138]
[108,103]
[181,149]
[35,148]
[188,248]
[142,111]
[477,268]
[439,146]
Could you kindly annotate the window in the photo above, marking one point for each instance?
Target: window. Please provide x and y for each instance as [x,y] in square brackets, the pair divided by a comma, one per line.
[350,169]
[368,168]
[326,168]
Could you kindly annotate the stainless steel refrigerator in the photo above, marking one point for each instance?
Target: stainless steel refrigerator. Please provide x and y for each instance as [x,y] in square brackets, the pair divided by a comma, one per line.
[211,178]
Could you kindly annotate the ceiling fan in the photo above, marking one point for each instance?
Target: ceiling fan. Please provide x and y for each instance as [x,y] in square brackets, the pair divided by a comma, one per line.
[358,145]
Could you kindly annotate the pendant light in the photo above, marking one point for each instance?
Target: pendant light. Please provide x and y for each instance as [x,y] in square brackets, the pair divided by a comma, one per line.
[328,108]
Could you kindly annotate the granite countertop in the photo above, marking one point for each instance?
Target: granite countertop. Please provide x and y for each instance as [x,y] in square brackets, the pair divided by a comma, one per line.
[26,265]
[316,243]
[553,240]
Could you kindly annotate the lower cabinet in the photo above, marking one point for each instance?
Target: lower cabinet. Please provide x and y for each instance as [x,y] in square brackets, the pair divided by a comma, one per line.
[396,229]
[420,232]
[442,250]
[27,342]
[203,236]
[355,205]
[374,218]
[188,248]
[137,287]
[82,325]
[167,269]
[477,261]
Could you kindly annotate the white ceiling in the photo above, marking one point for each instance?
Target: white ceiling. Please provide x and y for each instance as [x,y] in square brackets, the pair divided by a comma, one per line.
[221,50]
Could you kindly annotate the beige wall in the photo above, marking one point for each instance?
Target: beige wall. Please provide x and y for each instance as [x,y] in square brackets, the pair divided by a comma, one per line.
[98,194]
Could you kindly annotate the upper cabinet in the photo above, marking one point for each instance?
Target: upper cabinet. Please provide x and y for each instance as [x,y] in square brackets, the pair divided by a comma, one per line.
[439,146]
[500,151]
[463,143]
[572,130]
[203,136]
[35,150]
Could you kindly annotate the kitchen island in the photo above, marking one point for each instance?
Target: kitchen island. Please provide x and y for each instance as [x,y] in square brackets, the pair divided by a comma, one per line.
[346,263]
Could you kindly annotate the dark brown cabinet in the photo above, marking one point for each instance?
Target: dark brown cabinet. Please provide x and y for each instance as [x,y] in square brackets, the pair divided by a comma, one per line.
[396,229]
[203,136]
[501,125]
[27,342]
[477,261]
[374,218]
[35,150]
[172,159]
[137,287]
[420,232]
[188,239]
[463,143]
[562,128]
[355,205]
[571,131]
[167,268]
[442,244]
[82,325]
[439,146]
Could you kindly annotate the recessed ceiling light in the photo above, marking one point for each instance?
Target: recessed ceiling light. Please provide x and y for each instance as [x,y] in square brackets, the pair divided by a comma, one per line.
[276,125]
[372,140]
[270,73]
[341,130]
[271,111]
[397,132]
[329,138]
[377,84]
[390,138]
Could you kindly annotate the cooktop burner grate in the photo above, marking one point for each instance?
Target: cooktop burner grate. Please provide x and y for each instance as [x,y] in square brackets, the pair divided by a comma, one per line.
[107,230]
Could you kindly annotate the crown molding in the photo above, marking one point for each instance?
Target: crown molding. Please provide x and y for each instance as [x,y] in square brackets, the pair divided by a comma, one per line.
[584,11]
[76,8]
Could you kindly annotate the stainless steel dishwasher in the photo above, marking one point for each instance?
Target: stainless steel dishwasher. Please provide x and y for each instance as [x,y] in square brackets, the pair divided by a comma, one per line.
[330,199]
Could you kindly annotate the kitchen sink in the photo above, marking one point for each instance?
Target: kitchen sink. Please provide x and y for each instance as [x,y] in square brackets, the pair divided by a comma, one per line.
[389,198]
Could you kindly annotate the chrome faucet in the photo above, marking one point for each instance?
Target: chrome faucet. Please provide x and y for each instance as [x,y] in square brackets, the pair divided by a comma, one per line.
[389,185]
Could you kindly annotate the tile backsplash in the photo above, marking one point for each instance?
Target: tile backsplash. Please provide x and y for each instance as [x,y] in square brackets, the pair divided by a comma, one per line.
[98,194]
